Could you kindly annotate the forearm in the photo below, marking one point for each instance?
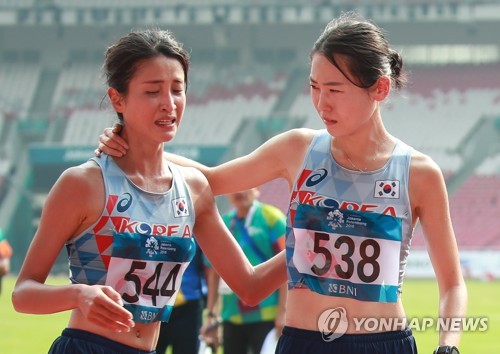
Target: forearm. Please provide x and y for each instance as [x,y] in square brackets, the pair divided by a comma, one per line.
[452,305]
[213,280]
[36,298]
[267,277]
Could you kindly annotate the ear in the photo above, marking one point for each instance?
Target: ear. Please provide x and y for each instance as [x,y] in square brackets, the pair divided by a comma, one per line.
[381,88]
[116,99]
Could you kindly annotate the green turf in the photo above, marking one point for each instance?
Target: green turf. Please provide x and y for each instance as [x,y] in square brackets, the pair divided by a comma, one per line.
[21,333]
[421,299]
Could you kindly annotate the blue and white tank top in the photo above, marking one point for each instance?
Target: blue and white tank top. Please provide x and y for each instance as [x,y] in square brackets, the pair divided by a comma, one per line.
[141,244]
[349,232]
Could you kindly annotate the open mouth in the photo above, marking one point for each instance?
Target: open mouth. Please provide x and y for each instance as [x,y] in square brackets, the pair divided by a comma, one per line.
[165,122]
[329,121]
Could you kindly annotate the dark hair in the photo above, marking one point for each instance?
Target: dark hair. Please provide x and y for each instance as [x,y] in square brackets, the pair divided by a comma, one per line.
[362,47]
[122,58]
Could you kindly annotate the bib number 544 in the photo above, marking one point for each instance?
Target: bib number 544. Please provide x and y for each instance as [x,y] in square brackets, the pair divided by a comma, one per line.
[151,285]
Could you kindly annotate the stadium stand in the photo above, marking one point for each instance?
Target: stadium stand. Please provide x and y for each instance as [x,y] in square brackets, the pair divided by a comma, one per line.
[17,90]
[83,124]
[250,73]
[79,86]
[219,101]
[215,113]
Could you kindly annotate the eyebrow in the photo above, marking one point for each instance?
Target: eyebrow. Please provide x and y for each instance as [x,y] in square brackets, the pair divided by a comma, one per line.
[330,83]
[160,81]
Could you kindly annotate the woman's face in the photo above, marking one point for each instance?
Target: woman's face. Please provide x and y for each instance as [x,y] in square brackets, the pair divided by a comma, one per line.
[156,98]
[342,106]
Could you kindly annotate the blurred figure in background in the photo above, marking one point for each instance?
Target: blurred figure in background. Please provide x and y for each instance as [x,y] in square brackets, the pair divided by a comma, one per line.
[183,329]
[260,231]
[5,255]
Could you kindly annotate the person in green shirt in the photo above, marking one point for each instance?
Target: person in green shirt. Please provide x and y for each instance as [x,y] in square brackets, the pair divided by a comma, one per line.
[260,231]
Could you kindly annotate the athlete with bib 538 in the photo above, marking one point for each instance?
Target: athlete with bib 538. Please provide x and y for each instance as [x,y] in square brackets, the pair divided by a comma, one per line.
[357,193]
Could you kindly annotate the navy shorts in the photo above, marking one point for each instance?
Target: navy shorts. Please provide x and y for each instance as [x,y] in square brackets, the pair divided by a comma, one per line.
[301,341]
[76,341]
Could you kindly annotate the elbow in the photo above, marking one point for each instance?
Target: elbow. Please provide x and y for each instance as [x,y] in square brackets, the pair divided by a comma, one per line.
[248,295]
[250,299]
[21,299]
[16,301]
[249,292]
[251,303]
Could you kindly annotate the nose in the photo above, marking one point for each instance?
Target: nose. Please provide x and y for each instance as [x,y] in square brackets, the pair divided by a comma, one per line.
[167,103]
[323,104]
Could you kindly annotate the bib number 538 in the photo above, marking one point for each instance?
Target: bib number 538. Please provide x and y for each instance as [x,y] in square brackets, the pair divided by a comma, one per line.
[369,251]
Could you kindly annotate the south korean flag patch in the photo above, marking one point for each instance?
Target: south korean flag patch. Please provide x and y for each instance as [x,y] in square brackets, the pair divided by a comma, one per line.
[180,207]
[387,189]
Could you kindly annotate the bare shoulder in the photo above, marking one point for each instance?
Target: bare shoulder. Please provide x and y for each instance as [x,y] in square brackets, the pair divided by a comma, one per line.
[298,136]
[425,174]
[82,183]
[296,141]
[78,196]
[84,175]
[424,169]
[194,178]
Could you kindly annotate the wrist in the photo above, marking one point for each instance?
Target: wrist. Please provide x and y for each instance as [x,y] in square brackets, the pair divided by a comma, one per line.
[210,314]
[446,349]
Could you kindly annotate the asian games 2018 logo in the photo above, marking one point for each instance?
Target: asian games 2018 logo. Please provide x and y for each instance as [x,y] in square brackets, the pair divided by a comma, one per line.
[152,246]
[336,219]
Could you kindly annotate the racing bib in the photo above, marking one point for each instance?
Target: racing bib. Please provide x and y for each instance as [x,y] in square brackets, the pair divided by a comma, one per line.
[147,272]
[348,253]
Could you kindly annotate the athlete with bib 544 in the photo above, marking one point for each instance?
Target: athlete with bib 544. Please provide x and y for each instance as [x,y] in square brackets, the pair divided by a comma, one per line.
[128,222]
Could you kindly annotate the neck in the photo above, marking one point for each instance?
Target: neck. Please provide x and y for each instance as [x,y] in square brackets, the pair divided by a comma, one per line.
[143,158]
[367,156]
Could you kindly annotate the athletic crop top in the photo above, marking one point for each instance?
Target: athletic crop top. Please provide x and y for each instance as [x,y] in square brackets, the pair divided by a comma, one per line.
[349,232]
[141,244]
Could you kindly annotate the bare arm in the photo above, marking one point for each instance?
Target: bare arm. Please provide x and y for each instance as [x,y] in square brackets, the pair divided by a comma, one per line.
[210,328]
[433,211]
[69,209]
[279,157]
[213,281]
[251,284]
